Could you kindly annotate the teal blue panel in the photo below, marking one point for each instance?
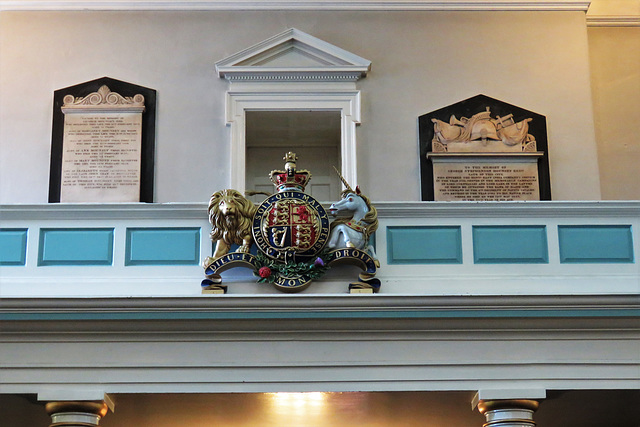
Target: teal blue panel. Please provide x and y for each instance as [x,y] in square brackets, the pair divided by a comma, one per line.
[510,244]
[13,246]
[75,246]
[163,246]
[595,244]
[424,245]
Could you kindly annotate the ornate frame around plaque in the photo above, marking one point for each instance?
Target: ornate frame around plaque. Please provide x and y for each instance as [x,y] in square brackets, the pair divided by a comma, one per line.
[105,96]
[493,134]
[295,242]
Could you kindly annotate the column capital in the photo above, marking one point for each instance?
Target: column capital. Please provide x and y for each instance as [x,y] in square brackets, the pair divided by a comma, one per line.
[76,413]
[493,405]
[508,412]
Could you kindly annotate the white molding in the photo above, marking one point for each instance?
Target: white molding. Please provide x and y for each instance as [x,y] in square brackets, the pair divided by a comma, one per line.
[91,393]
[373,5]
[288,304]
[525,209]
[255,63]
[100,211]
[292,71]
[500,394]
[613,21]
[188,211]
[347,102]
[279,75]
[397,280]
[317,343]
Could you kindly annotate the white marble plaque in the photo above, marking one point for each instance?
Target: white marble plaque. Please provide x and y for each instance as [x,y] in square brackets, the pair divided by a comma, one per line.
[101,155]
[101,158]
[486,178]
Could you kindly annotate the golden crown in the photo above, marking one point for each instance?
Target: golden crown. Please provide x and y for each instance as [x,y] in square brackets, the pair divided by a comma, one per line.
[290,178]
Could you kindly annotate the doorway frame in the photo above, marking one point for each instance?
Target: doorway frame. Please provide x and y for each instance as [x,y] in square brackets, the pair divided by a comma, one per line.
[346,101]
[292,71]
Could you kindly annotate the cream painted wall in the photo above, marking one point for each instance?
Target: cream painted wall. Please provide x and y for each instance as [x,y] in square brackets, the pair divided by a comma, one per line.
[615,72]
[615,7]
[422,61]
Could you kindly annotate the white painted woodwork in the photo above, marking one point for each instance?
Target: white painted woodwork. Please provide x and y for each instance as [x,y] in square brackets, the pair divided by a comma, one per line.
[292,71]
[552,278]
[405,344]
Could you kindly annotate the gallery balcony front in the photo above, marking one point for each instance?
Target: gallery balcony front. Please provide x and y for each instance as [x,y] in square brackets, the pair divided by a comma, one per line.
[424,249]
[522,300]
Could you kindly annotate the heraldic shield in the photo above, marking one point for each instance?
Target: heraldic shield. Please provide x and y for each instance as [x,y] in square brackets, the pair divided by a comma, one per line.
[288,239]
[291,226]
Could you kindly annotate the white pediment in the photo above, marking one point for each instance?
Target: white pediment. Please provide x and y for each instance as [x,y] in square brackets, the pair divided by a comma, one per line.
[293,56]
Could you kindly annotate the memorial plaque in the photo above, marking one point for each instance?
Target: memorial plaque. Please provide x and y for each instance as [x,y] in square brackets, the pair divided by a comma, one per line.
[102,152]
[101,148]
[496,153]
[471,178]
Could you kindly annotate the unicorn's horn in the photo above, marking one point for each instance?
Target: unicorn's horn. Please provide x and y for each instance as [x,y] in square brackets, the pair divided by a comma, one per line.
[344,181]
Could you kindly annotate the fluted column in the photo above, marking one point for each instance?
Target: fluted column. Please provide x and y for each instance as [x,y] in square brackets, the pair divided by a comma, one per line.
[508,412]
[76,414]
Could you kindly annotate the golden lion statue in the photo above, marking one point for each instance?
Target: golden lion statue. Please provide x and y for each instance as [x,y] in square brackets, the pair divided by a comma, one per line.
[230,215]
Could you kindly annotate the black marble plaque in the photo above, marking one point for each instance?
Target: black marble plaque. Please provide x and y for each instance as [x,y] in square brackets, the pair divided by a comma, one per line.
[468,108]
[147,130]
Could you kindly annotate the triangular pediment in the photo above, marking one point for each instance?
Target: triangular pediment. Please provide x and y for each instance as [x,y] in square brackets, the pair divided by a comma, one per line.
[293,55]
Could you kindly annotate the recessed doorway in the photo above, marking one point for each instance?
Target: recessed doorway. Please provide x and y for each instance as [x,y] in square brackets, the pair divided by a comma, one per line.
[313,135]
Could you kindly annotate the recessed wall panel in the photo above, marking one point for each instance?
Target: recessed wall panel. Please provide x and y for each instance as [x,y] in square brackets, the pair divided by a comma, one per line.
[75,246]
[163,246]
[13,246]
[517,244]
[424,245]
[595,244]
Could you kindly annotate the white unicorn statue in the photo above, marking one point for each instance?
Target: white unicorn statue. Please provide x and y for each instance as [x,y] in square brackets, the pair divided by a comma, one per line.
[354,231]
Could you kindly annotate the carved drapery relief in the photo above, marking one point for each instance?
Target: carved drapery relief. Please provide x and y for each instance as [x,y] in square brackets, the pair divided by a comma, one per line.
[481,133]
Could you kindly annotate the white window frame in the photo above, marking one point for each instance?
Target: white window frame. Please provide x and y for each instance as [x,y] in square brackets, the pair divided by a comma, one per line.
[260,80]
[346,101]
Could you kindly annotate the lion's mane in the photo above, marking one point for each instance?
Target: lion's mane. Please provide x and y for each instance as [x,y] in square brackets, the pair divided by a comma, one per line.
[232,230]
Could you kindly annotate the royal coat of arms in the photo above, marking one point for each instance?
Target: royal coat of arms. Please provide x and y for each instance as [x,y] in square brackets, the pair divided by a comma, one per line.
[288,239]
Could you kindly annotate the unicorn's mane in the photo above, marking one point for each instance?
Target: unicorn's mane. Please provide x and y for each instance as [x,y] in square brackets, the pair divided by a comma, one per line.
[370,218]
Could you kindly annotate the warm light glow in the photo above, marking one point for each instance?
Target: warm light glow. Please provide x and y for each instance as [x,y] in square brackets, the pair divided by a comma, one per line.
[303,405]
[298,398]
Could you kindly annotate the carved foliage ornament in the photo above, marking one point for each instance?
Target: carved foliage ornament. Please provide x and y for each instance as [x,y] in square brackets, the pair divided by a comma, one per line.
[103,98]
